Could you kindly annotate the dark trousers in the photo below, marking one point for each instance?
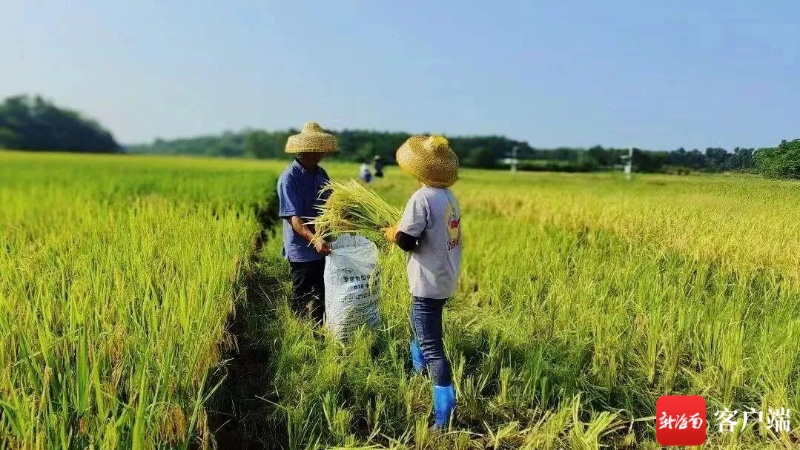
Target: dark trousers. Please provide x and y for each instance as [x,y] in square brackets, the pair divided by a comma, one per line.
[308,289]
[426,324]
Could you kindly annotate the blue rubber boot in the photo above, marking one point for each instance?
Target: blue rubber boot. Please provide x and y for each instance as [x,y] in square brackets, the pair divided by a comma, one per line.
[416,357]
[444,401]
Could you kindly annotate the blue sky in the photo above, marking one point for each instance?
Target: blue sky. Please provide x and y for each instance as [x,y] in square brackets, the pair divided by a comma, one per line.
[618,73]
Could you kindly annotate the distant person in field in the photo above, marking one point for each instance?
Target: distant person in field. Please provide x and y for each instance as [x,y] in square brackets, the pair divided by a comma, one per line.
[299,192]
[378,166]
[430,231]
[364,172]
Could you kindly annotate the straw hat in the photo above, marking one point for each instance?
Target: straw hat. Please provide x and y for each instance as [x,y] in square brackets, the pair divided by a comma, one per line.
[430,160]
[312,140]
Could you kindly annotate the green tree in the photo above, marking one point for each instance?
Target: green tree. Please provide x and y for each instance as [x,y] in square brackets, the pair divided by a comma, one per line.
[588,161]
[473,151]
[366,151]
[257,144]
[780,162]
[32,123]
[602,157]
[716,158]
[9,139]
[480,157]
[741,159]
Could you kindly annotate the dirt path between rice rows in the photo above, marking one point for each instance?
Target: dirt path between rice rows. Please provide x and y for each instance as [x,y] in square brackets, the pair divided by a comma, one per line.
[240,413]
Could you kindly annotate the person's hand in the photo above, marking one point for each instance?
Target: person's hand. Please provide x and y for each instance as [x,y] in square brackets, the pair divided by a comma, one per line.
[323,248]
[390,233]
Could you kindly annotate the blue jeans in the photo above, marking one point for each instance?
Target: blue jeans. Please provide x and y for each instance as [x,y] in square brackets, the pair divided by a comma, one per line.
[426,324]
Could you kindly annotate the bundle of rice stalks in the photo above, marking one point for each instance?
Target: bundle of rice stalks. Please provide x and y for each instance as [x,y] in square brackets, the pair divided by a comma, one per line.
[354,209]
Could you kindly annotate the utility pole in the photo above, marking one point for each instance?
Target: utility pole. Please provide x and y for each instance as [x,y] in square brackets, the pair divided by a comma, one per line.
[629,163]
[514,158]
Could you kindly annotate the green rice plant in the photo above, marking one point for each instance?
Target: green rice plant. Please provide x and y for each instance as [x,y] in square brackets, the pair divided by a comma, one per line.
[582,299]
[591,286]
[119,274]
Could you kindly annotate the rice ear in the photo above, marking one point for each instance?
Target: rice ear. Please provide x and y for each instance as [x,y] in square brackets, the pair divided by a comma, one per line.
[354,209]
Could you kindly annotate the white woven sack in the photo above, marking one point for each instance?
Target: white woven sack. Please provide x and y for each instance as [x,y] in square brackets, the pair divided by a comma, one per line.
[351,299]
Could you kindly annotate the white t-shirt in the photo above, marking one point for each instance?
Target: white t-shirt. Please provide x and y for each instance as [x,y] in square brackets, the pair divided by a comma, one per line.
[433,216]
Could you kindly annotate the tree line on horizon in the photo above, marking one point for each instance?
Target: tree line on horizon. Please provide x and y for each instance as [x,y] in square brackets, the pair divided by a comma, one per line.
[35,124]
[487,152]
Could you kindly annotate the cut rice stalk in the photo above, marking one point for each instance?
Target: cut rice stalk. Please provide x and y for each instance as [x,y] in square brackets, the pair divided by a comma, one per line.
[351,208]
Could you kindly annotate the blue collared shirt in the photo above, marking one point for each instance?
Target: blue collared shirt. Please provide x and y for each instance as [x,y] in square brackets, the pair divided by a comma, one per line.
[298,194]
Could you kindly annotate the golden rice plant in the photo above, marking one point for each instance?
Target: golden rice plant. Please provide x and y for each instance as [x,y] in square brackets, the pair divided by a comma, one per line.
[582,299]
[583,287]
[352,208]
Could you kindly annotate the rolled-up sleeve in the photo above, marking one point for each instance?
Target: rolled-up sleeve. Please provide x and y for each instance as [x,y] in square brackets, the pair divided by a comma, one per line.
[288,198]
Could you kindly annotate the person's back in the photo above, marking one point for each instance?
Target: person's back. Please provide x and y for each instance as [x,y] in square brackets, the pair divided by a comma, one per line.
[433,267]
[364,172]
[430,231]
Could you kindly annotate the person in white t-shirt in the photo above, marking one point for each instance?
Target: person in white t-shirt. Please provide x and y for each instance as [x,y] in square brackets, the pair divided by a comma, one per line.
[364,173]
[430,231]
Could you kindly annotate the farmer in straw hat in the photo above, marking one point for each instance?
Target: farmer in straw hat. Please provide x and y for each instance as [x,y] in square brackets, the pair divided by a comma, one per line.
[299,192]
[430,230]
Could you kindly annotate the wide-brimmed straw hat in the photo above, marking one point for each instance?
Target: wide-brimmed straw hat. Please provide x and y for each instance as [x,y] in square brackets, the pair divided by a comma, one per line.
[313,139]
[429,159]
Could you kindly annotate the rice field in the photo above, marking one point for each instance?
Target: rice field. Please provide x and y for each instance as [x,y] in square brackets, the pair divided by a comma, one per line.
[118,275]
[582,299]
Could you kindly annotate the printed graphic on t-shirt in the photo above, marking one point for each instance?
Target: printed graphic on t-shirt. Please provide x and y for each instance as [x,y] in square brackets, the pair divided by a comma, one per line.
[453,227]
